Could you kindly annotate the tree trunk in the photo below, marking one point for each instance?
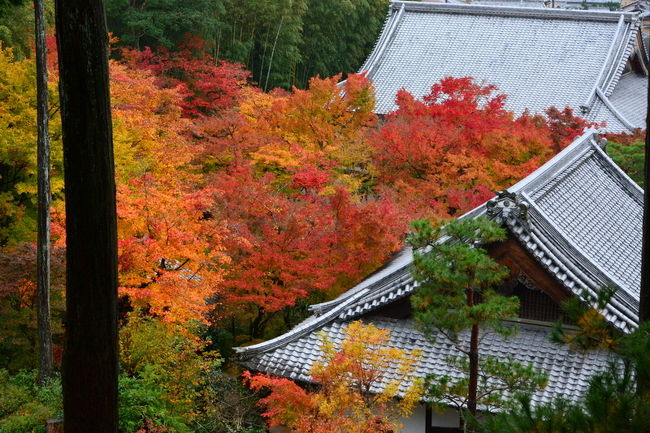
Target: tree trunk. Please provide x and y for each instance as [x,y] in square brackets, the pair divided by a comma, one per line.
[473,361]
[90,357]
[643,382]
[43,162]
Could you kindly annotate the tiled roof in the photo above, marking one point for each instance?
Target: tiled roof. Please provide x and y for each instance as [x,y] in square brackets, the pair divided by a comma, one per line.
[568,370]
[595,222]
[538,57]
[630,95]
[562,4]
[585,229]
[583,225]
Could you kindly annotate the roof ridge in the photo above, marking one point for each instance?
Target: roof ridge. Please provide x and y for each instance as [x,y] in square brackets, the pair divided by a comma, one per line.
[379,41]
[608,64]
[529,12]
[625,181]
[608,104]
[322,307]
[385,38]
[625,51]
[300,330]
[553,164]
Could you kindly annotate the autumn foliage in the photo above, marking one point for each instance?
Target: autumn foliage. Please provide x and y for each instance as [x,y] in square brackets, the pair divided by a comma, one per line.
[171,256]
[345,376]
[207,86]
[239,206]
[448,152]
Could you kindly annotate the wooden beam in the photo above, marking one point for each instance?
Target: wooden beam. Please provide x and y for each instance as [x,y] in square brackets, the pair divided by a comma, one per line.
[510,253]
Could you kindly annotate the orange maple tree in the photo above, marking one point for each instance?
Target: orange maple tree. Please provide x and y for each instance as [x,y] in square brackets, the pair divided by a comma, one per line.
[171,256]
[356,394]
[316,137]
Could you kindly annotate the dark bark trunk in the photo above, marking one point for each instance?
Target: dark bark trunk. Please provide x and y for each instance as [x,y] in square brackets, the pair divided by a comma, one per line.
[43,163]
[90,357]
[473,361]
[643,383]
[257,323]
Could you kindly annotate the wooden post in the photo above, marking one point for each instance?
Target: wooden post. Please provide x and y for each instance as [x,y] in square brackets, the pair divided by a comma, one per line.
[54,425]
[90,354]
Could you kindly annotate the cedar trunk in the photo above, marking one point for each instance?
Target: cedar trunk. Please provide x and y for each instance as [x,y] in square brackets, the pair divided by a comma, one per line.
[90,357]
[43,163]
[643,382]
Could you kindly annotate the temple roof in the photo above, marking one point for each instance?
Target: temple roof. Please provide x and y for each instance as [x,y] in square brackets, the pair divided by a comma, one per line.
[580,218]
[538,57]
[568,370]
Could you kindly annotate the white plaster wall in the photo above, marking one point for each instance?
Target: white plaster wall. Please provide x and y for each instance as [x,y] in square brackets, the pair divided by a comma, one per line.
[447,418]
[416,423]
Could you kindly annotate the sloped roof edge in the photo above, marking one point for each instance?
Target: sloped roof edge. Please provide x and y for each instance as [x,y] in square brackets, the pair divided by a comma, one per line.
[615,111]
[383,67]
[546,13]
[397,8]
[628,41]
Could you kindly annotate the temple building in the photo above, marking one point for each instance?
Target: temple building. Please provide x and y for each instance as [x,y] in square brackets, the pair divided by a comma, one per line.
[574,226]
[590,60]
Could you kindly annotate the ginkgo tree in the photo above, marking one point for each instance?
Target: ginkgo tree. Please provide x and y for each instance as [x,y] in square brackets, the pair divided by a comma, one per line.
[17,152]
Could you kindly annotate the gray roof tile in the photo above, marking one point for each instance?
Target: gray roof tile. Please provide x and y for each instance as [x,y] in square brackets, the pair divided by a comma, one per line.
[630,96]
[538,57]
[568,370]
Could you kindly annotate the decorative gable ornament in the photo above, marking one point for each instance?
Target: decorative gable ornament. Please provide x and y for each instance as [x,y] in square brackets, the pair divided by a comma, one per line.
[508,208]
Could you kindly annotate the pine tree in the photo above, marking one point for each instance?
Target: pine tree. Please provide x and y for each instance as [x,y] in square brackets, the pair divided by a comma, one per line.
[457,291]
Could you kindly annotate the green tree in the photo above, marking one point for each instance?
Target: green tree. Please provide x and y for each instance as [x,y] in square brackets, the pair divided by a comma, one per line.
[630,157]
[17,26]
[154,23]
[338,36]
[265,36]
[457,291]
[286,42]
[611,404]
[25,405]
